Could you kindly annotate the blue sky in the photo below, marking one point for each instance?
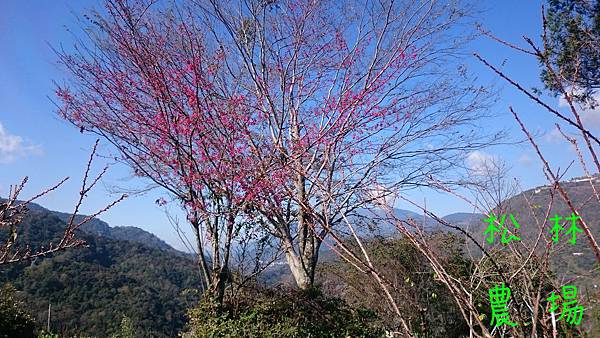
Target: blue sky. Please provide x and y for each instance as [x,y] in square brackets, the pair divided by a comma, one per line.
[34,142]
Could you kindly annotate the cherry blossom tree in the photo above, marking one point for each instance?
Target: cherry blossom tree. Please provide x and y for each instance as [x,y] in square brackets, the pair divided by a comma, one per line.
[360,100]
[289,115]
[148,83]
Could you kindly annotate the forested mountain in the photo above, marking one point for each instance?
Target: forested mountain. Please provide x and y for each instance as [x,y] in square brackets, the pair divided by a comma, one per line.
[531,206]
[91,288]
[432,310]
[101,228]
[570,262]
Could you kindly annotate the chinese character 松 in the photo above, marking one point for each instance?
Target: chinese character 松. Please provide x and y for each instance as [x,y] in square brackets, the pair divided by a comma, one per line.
[492,229]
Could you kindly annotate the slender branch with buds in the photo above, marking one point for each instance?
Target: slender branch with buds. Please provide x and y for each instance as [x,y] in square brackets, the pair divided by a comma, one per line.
[13,211]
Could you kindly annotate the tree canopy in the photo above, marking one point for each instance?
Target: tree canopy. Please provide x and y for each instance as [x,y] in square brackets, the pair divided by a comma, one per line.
[573,46]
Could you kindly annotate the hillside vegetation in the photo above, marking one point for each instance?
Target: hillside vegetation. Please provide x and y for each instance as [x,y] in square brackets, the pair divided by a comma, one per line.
[91,288]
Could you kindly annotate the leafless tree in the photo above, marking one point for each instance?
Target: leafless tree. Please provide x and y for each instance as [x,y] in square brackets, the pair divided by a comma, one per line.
[12,212]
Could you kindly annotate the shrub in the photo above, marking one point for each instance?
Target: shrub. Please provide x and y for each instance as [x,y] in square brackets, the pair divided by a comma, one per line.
[126,330]
[282,313]
[14,321]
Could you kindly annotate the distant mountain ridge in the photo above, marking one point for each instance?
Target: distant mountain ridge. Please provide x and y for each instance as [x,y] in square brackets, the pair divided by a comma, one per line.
[123,233]
[463,217]
[385,225]
[371,224]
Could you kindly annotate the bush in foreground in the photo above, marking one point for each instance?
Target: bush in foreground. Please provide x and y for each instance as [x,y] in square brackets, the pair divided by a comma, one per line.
[274,313]
[14,321]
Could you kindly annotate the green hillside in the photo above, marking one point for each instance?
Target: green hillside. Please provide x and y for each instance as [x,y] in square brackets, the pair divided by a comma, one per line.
[91,289]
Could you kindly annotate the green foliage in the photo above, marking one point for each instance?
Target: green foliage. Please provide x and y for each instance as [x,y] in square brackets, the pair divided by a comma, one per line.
[282,313]
[14,321]
[424,301]
[574,45]
[91,288]
[126,330]
[45,334]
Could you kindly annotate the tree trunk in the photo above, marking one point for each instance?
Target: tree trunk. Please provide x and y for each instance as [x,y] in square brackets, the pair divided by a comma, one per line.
[202,265]
[303,262]
[218,284]
[303,277]
[215,277]
[222,274]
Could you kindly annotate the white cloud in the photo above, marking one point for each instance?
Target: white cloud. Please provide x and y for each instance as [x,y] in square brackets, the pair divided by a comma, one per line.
[382,195]
[525,159]
[482,163]
[589,117]
[13,146]
[554,136]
